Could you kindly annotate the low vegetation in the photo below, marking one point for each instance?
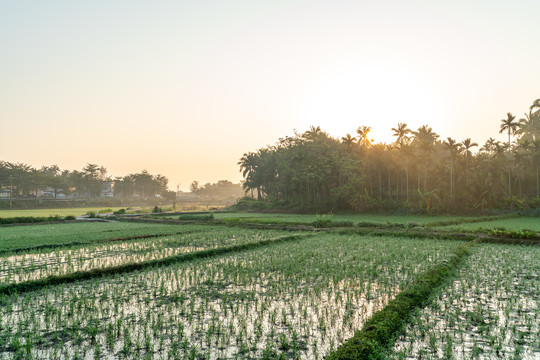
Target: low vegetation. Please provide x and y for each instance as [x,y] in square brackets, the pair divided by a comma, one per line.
[265,286]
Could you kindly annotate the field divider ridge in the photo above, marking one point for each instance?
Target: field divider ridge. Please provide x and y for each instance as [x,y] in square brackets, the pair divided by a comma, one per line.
[8,289]
[369,229]
[374,339]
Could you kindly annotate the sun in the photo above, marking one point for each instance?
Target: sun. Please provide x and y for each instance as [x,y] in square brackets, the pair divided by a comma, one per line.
[375,96]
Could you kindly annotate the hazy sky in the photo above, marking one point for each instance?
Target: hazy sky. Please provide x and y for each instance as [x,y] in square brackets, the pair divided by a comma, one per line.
[184,88]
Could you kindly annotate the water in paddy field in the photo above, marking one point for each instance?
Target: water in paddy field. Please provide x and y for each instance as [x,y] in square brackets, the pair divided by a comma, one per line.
[490,311]
[299,299]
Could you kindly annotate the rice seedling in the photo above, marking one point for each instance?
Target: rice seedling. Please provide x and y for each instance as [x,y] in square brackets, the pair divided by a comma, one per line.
[19,268]
[298,299]
[490,311]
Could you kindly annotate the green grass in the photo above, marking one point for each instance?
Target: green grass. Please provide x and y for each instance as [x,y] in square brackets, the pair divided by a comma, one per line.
[52,212]
[517,223]
[354,218]
[15,238]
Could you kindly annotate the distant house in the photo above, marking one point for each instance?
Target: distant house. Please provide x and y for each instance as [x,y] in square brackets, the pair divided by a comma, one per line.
[4,194]
[108,190]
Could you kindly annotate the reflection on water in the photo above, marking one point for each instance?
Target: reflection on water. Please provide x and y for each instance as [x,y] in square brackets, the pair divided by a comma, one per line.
[490,311]
[297,300]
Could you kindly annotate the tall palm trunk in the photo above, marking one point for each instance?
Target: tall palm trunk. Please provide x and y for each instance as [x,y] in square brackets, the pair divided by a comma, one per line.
[407,181]
[509,168]
[452,182]
[389,185]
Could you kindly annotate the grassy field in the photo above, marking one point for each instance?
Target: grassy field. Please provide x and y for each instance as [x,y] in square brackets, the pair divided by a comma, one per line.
[115,290]
[355,218]
[52,212]
[518,223]
[14,238]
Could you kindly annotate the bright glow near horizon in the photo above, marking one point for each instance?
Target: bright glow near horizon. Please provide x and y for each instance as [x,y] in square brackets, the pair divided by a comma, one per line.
[375,96]
[185,88]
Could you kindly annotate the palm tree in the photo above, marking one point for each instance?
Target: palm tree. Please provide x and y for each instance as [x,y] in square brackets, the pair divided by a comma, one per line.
[535,104]
[313,131]
[401,133]
[348,140]
[248,166]
[424,139]
[467,145]
[529,126]
[489,146]
[453,149]
[363,132]
[535,157]
[511,126]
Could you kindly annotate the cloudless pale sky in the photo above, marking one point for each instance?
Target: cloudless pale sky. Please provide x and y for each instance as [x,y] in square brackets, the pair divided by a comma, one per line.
[184,88]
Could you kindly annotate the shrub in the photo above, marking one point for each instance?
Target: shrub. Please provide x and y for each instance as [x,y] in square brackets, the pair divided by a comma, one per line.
[199,217]
[326,223]
[30,219]
[119,212]
[248,203]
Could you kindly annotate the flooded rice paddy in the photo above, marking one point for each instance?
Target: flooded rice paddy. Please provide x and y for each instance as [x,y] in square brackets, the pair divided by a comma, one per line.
[17,268]
[293,300]
[490,311]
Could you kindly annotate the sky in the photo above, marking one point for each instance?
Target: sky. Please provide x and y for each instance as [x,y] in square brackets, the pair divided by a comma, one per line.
[184,88]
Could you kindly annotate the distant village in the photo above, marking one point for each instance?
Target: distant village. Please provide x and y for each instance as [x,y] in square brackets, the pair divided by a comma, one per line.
[23,186]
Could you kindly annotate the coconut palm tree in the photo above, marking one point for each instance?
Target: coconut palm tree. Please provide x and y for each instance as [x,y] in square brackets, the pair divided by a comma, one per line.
[453,149]
[401,133]
[489,146]
[535,105]
[424,139]
[313,132]
[466,146]
[511,126]
[348,140]
[248,166]
[535,147]
[529,126]
[363,138]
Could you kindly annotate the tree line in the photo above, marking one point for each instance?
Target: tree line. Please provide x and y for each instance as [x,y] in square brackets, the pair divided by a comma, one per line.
[24,181]
[221,190]
[419,171]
